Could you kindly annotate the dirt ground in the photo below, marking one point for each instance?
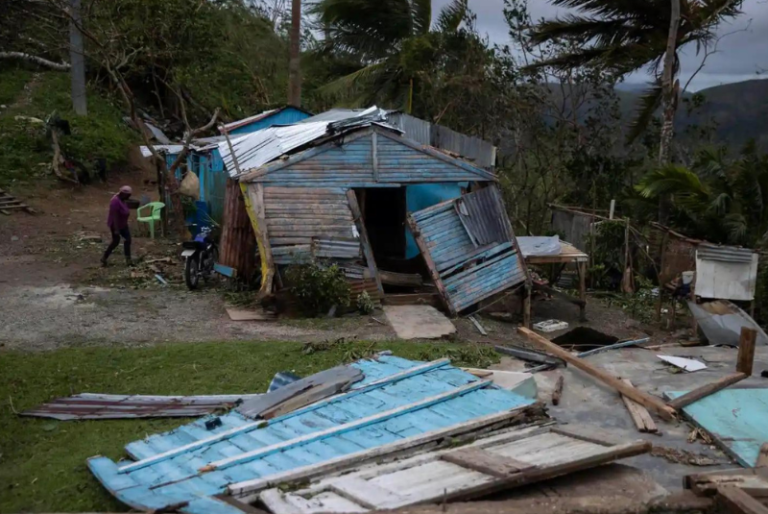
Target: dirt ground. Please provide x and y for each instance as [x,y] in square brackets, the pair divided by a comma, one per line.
[54,292]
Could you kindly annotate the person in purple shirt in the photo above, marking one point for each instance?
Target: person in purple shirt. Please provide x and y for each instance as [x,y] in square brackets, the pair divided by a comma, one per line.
[117,221]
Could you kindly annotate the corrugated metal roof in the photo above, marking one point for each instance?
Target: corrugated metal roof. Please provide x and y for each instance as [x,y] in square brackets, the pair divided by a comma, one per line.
[397,399]
[257,149]
[115,406]
[724,253]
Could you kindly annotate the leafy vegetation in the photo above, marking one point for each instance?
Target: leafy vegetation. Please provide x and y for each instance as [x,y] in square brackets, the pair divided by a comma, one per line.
[43,461]
[318,288]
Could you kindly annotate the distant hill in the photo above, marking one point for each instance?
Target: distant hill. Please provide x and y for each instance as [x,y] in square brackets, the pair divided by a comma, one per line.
[739,109]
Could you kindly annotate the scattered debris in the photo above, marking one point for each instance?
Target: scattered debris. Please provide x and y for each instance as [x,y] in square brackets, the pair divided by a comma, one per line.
[551,325]
[8,203]
[696,434]
[117,406]
[558,392]
[529,355]
[689,365]
[401,407]
[236,314]
[497,461]
[677,456]
[721,322]
[161,280]
[478,326]
[640,415]
[622,344]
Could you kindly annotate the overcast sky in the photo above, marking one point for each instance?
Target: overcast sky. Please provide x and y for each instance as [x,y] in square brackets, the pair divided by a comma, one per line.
[740,56]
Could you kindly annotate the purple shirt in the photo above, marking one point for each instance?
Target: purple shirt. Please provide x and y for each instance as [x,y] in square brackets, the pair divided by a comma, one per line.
[118,214]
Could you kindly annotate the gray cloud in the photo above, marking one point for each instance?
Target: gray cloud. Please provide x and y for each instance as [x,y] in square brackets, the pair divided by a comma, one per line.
[740,55]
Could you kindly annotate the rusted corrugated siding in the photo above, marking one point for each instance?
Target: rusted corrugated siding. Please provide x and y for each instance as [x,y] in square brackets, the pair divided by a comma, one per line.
[306,221]
[469,273]
[115,406]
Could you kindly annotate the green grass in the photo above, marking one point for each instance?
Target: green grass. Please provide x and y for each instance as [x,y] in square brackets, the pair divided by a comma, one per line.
[42,461]
[25,147]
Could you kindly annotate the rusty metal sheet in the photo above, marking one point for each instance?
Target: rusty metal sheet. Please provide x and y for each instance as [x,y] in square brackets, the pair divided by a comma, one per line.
[116,406]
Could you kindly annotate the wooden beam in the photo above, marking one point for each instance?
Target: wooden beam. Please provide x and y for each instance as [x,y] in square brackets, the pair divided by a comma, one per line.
[254,204]
[704,391]
[640,397]
[365,242]
[735,501]
[762,457]
[746,356]
[486,462]
[639,414]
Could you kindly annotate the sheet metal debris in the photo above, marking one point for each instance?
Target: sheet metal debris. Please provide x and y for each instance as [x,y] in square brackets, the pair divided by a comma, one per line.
[690,365]
[117,406]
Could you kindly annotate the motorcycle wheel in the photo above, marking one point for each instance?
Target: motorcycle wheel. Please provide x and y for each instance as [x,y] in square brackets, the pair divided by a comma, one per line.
[211,258]
[192,272]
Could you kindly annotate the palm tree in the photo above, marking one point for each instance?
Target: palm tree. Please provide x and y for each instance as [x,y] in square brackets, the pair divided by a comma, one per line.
[392,39]
[627,35]
[718,199]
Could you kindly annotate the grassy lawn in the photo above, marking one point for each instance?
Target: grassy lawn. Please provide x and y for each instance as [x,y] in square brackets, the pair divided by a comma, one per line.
[42,461]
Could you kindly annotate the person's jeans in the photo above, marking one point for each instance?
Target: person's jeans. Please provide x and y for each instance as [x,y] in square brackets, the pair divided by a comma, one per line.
[126,234]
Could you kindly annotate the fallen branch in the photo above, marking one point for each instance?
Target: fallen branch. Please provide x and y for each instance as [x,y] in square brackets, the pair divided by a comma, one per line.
[640,397]
[57,66]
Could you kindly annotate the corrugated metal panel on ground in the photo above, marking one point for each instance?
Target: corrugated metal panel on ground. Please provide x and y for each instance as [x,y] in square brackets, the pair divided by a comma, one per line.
[116,406]
[474,258]
[379,410]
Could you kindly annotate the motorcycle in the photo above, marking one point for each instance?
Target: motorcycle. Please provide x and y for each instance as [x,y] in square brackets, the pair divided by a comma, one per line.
[200,256]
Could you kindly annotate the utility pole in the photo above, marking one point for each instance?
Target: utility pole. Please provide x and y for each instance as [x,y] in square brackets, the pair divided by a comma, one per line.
[294,64]
[77,58]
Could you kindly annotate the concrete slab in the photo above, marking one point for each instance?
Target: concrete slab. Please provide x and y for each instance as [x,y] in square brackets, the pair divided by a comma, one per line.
[418,321]
[588,402]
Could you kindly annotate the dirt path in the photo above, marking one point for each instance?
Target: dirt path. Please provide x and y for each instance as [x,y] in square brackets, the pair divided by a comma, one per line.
[54,293]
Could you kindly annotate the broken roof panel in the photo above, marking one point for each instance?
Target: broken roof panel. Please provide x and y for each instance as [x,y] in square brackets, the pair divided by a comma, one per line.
[397,399]
[116,406]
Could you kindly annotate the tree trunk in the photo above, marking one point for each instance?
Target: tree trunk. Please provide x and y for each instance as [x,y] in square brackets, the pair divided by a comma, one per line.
[77,58]
[294,65]
[57,66]
[669,103]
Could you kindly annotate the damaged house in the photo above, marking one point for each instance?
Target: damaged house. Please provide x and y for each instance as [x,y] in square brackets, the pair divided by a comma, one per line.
[359,192]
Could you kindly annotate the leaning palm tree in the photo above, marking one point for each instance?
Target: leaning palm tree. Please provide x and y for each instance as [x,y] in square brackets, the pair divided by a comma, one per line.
[393,39]
[623,36]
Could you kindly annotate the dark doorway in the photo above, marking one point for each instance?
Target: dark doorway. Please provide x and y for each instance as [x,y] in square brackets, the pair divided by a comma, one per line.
[384,214]
[582,339]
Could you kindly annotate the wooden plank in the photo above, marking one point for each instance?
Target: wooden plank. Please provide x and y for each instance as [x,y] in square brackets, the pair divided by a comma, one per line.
[411,444]
[735,501]
[706,390]
[486,462]
[365,493]
[558,392]
[478,326]
[433,270]
[333,431]
[639,414]
[401,279]
[254,205]
[640,397]
[746,356]
[762,456]
[274,501]
[365,242]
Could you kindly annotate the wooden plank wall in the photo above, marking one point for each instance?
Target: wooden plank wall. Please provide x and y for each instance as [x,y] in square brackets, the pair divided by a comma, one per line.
[238,242]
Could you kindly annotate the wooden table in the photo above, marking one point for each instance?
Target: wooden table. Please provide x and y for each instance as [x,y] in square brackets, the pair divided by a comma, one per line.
[568,254]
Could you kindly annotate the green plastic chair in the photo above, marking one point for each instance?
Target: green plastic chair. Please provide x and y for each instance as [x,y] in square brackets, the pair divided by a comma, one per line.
[154,215]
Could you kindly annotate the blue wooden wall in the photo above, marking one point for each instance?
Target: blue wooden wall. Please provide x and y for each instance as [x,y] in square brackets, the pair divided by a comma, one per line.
[286,116]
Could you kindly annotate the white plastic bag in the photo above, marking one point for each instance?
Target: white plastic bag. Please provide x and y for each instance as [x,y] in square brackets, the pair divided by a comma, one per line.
[190,185]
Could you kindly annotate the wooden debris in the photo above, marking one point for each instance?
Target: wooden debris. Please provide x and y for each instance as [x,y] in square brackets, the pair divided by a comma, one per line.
[486,462]
[746,357]
[707,484]
[529,355]
[640,414]
[704,391]
[698,433]
[762,457]
[391,278]
[9,202]
[478,326]
[558,392]
[677,456]
[735,500]
[640,397]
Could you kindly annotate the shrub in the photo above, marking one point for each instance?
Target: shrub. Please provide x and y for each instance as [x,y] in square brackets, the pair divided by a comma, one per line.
[318,288]
[365,303]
